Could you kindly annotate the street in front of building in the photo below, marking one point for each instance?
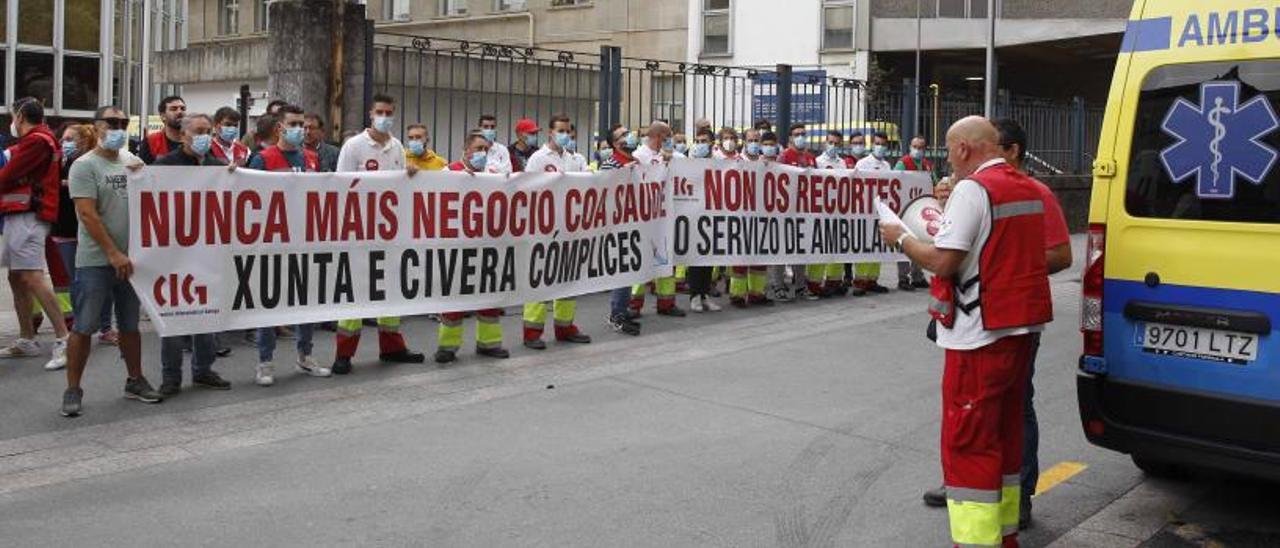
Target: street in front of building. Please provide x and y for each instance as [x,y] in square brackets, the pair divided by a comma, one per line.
[811,424]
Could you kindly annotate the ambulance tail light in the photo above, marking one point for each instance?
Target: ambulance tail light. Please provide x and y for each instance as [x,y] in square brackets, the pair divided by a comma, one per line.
[1091,290]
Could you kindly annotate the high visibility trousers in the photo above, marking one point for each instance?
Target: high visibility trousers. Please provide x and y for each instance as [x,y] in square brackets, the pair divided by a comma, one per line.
[982,398]
[682,276]
[563,312]
[390,341]
[748,282]
[823,276]
[488,330]
[866,273]
[664,288]
[60,275]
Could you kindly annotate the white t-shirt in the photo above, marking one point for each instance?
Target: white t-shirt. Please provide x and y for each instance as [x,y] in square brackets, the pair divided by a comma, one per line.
[966,225]
[827,162]
[646,156]
[576,163]
[546,159]
[362,153]
[499,160]
[871,163]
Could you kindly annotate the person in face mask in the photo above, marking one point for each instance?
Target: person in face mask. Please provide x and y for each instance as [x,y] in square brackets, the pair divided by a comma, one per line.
[417,152]
[650,152]
[499,156]
[876,161]
[475,158]
[769,149]
[374,149]
[77,140]
[751,144]
[729,145]
[797,152]
[526,144]
[832,156]
[577,162]
[680,142]
[99,185]
[197,144]
[702,144]
[915,159]
[159,143]
[226,137]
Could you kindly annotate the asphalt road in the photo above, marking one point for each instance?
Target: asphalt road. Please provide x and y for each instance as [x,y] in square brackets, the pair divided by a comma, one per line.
[810,424]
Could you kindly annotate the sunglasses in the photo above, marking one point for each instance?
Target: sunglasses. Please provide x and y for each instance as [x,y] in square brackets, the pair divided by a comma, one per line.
[115,123]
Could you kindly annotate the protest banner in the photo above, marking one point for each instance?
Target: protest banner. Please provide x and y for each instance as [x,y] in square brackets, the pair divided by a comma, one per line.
[740,212]
[215,250]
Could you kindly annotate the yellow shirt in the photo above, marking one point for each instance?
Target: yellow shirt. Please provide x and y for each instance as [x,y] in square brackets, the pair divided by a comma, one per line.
[429,161]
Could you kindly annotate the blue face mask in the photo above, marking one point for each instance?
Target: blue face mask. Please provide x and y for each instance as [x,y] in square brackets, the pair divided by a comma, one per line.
[682,148]
[478,160]
[489,134]
[382,124]
[669,144]
[229,133]
[416,147]
[531,140]
[917,153]
[295,135]
[200,144]
[800,141]
[68,148]
[879,151]
[562,139]
[857,150]
[701,150]
[631,141]
[833,151]
[571,146]
[753,148]
[114,139]
[769,150]
[605,154]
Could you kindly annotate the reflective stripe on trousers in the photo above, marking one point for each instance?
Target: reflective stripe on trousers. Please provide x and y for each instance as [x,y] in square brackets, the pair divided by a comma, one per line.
[563,313]
[390,341]
[488,330]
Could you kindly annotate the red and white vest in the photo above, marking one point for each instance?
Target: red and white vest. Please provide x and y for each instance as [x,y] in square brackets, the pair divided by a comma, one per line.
[37,191]
[1015,276]
[273,160]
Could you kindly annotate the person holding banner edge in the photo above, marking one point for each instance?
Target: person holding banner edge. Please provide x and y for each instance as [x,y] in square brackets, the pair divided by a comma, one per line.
[476,152]
[624,143]
[374,149]
[650,154]
[553,158]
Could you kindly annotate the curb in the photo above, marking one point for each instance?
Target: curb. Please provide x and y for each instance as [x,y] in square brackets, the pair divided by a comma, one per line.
[1135,517]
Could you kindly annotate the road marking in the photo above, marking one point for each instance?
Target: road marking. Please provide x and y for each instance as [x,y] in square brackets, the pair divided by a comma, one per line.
[1058,473]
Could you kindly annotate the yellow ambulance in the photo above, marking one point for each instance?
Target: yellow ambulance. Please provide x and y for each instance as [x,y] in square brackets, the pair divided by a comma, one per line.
[1181,291]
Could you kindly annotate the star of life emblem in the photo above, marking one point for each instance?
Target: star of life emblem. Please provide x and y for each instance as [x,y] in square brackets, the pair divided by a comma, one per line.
[1219,139]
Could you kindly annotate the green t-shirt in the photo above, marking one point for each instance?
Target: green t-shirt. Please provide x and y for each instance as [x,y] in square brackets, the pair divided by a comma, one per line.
[106,181]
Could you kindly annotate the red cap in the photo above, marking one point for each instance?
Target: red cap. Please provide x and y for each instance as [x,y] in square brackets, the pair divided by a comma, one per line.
[526,125]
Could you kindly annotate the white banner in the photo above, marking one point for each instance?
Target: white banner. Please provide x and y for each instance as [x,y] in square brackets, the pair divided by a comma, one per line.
[215,250]
[758,213]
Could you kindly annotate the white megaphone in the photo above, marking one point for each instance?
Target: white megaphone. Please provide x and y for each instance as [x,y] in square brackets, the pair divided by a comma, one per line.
[923,218]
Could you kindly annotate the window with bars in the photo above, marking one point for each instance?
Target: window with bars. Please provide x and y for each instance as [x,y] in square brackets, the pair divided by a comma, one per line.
[453,7]
[838,18]
[716,23]
[228,17]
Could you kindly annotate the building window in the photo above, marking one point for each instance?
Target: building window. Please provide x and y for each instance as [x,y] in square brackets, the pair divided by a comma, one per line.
[960,9]
[82,25]
[261,15]
[395,10]
[80,82]
[34,76]
[561,3]
[715,27]
[837,24]
[514,5]
[35,25]
[453,7]
[228,17]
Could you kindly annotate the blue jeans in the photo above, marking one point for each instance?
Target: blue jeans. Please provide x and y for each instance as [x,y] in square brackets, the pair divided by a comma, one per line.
[1030,430]
[618,300]
[94,292]
[202,355]
[267,341]
[67,252]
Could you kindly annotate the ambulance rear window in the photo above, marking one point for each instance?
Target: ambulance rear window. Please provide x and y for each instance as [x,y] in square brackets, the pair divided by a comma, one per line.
[1206,144]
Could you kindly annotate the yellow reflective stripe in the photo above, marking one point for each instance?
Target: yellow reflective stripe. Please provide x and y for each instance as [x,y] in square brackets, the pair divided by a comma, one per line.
[564,311]
[737,286]
[1010,501]
[390,323]
[535,313]
[974,523]
[665,287]
[449,337]
[488,334]
[835,271]
[815,272]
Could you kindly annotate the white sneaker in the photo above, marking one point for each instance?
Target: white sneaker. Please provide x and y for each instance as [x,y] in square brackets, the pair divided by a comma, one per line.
[59,358]
[696,303]
[710,305]
[308,365]
[21,348]
[265,374]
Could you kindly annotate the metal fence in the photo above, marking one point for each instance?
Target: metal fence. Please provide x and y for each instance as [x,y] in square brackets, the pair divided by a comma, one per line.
[446,84]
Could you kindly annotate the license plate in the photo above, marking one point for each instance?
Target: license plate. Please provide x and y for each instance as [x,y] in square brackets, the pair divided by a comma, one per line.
[1198,343]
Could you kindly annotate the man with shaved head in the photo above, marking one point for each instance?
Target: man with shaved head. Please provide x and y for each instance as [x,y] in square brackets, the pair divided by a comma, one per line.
[990,296]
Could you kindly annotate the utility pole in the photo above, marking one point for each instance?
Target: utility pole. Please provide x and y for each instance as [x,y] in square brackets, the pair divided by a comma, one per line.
[915,122]
[989,103]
